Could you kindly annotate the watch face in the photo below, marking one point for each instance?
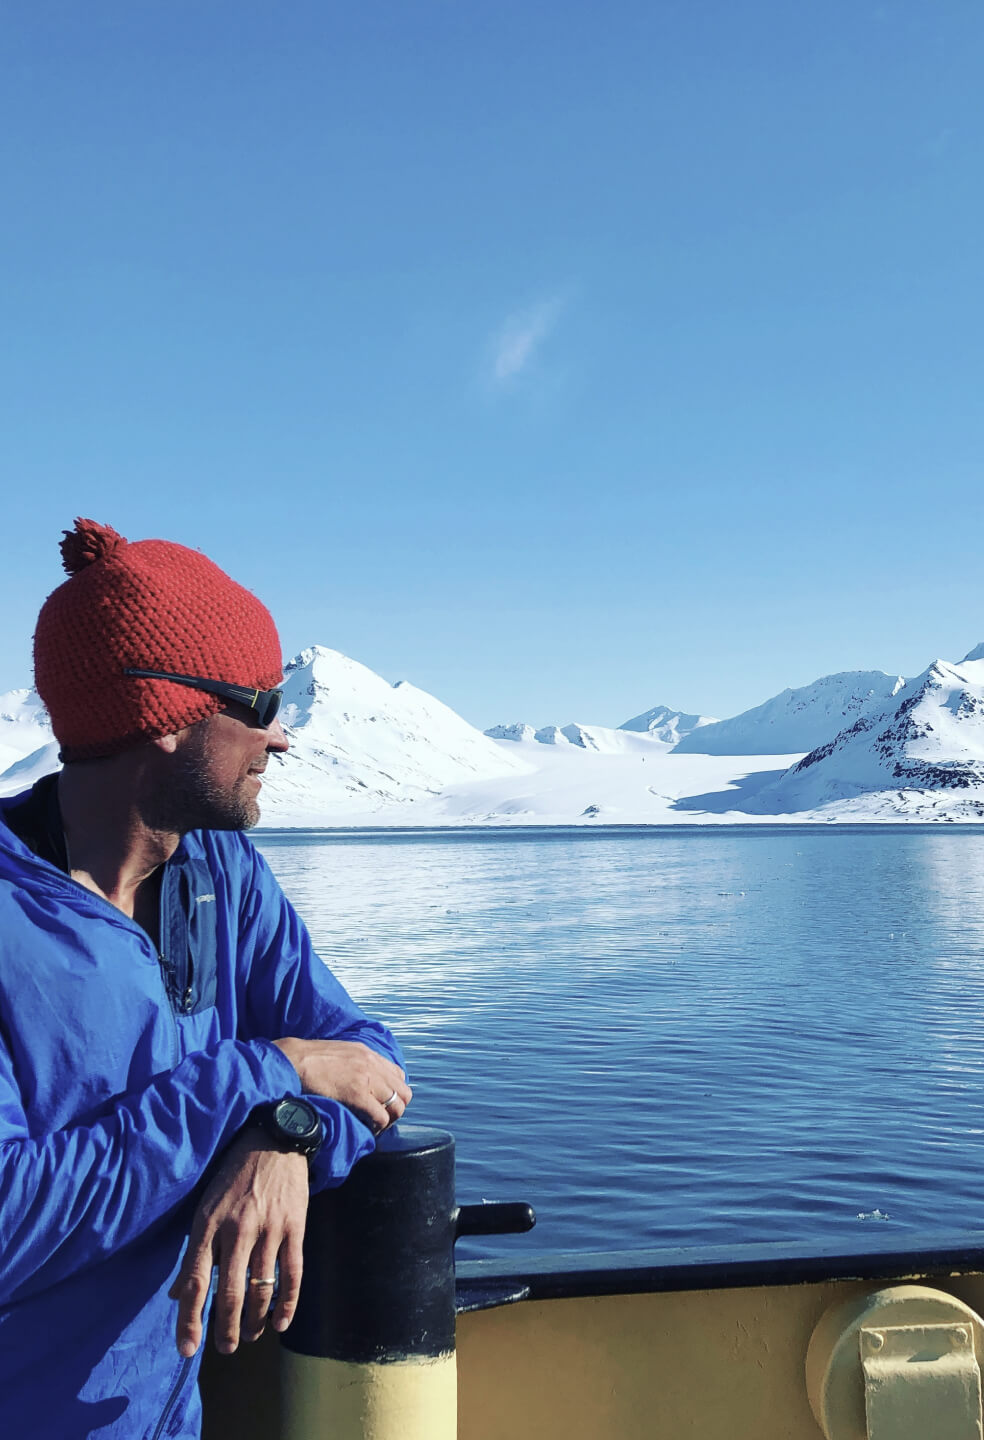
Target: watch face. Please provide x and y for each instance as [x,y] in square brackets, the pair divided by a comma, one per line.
[295,1118]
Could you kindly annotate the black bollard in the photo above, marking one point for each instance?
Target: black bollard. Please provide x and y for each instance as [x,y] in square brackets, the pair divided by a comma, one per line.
[370,1352]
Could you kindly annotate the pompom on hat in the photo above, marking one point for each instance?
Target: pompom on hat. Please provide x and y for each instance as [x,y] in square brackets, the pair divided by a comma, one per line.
[150,605]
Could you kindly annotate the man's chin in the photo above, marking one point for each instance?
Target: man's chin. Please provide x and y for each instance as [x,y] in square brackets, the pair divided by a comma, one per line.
[242,815]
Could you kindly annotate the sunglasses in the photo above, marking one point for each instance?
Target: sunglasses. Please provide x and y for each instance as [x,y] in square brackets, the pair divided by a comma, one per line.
[266,703]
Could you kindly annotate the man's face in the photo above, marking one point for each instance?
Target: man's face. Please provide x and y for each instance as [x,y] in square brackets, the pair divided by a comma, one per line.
[215,779]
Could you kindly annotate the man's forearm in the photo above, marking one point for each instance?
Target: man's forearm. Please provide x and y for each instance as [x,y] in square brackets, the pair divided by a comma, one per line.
[72,1198]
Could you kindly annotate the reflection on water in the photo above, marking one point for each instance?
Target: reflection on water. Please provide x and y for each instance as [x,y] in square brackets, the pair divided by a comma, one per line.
[678,1038]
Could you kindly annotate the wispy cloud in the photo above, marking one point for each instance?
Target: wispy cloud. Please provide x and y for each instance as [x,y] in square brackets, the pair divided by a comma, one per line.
[520,338]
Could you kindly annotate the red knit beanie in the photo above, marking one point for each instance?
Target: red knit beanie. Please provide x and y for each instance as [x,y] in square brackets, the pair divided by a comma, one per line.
[151,605]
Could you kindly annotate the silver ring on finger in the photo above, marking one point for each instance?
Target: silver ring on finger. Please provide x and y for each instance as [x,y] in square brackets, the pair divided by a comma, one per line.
[272,1280]
[387,1103]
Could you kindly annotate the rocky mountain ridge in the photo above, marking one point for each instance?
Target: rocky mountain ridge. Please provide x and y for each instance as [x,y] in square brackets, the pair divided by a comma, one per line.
[928,741]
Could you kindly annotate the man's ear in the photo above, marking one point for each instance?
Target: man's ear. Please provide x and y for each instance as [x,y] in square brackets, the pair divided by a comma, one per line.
[171,744]
[167,743]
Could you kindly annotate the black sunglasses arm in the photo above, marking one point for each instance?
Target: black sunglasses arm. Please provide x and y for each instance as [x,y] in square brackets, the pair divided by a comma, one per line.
[241,693]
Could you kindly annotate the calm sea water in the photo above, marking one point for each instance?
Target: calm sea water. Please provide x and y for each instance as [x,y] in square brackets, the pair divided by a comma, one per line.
[690,1038]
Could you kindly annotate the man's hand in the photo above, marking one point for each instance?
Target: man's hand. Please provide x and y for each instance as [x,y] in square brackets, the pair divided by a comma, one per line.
[346,1070]
[252,1214]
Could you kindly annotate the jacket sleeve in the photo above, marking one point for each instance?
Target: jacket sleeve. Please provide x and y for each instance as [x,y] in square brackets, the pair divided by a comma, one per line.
[71,1198]
[286,989]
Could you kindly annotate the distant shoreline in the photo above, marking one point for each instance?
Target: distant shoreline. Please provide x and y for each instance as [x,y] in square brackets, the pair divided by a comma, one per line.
[294,832]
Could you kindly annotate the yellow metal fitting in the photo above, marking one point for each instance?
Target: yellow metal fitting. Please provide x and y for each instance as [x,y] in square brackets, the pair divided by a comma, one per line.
[898,1364]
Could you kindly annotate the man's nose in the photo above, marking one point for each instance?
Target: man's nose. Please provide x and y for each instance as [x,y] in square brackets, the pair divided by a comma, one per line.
[276,739]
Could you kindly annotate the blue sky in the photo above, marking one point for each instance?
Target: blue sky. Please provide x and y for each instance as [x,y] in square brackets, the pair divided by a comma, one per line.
[562,358]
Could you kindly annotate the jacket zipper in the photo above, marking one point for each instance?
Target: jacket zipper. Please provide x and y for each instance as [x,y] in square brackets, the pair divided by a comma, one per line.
[162,967]
[172,1399]
[169,1007]
[184,998]
[188,997]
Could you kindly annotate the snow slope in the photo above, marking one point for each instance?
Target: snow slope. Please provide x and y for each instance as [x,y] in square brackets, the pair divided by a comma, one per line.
[358,742]
[597,738]
[22,774]
[24,725]
[796,720]
[576,787]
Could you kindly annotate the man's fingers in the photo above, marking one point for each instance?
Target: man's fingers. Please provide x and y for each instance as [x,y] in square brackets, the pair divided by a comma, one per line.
[376,1116]
[190,1290]
[383,1110]
[394,1078]
[259,1289]
[231,1292]
[349,1071]
[291,1266]
[394,1100]
[394,1108]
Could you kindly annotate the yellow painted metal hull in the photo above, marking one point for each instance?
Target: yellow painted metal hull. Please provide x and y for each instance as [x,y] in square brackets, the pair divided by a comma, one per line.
[722,1364]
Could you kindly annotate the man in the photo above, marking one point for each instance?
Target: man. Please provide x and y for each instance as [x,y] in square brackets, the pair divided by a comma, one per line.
[176,1065]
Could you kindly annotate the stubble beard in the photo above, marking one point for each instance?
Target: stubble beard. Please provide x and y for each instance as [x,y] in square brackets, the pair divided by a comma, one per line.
[192,800]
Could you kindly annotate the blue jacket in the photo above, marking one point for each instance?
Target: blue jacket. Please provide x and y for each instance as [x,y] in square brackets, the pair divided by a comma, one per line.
[122,1074]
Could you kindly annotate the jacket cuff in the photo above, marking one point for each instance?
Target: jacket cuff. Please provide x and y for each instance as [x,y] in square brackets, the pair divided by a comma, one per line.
[346,1141]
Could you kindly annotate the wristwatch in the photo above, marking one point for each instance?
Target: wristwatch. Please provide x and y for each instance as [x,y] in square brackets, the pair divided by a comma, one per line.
[292,1124]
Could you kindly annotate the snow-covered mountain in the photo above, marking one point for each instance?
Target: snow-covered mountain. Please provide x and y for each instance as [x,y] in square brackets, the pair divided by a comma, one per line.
[669,726]
[599,738]
[923,750]
[797,720]
[552,735]
[358,742]
[661,726]
[24,725]
[518,732]
[22,774]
